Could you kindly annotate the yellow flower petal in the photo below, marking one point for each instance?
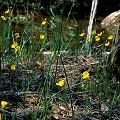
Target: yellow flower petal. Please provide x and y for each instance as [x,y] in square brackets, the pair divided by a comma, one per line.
[94,32]
[100,34]
[17,35]
[17,48]
[53,54]
[110,37]
[0,117]
[86,75]
[8,11]
[3,17]
[13,67]
[4,104]
[54,111]
[44,22]
[82,34]
[89,40]
[42,36]
[107,44]
[14,45]
[61,83]
[97,38]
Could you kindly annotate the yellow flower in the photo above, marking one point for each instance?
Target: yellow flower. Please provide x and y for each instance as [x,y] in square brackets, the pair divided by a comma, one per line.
[8,11]
[89,40]
[86,75]
[0,117]
[110,37]
[108,100]
[54,111]
[100,34]
[42,36]
[53,54]
[44,22]
[82,34]
[4,104]
[107,44]
[94,32]
[17,48]
[61,83]
[17,35]
[97,38]
[13,67]
[3,17]
[14,45]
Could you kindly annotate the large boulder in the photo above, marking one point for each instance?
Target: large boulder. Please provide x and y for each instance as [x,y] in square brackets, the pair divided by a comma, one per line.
[111,24]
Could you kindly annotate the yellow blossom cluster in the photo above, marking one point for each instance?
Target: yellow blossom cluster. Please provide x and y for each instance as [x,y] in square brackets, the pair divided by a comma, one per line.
[97,37]
[85,75]
[109,39]
[15,46]
[6,12]
[42,36]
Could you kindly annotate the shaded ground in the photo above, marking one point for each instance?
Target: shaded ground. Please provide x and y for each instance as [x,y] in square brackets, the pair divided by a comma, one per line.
[30,104]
